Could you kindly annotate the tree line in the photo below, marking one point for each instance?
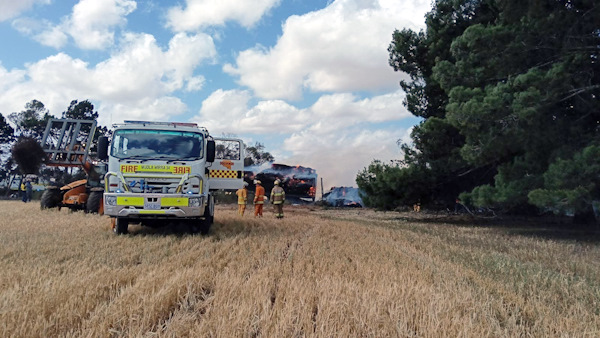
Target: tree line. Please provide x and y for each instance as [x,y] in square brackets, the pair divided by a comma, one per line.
[508,93]
[26,129]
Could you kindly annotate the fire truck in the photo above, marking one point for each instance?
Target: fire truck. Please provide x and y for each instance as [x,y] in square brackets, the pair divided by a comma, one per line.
[166,171]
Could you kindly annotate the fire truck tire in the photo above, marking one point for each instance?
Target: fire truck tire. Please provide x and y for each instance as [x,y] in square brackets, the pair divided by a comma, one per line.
[93,203]
[209,216]
[121,225]
[51,198]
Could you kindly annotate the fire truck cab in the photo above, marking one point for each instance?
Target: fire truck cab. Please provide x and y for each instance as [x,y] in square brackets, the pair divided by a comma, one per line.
[160,171]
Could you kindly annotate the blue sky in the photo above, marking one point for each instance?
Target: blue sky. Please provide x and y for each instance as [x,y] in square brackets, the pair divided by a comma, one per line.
[309,79]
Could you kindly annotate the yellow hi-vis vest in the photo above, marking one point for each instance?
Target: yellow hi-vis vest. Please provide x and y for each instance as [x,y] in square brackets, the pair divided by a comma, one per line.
[277,195]
[242,195]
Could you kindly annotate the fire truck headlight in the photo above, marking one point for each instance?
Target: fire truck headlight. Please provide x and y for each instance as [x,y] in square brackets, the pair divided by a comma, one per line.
[194,202]
[110,200]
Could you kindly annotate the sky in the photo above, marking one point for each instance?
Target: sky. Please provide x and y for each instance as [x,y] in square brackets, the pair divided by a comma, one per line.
[309,79]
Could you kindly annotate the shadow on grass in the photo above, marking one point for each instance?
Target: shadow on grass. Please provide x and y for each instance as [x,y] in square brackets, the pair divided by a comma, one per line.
[220,230]
[549,228]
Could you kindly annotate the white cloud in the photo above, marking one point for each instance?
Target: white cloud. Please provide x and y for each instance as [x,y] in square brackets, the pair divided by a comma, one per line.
[231,111]
[92,22]
[202,13]
[340,48]
[144,109]
[91,25]
[338,157]
[42,31]
[136,82]
[10,8]
[344,109]
[222,110]
[336,135]
[195,83]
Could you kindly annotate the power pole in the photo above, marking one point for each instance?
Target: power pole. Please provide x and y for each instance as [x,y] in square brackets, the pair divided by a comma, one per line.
[321,188]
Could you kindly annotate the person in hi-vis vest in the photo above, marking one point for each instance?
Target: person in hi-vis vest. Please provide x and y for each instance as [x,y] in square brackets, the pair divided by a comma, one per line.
[277,199]
[242,195]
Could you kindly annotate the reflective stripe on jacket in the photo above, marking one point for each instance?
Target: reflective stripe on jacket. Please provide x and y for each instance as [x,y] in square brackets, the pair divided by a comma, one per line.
[277,195]
[259,195]
[242,195]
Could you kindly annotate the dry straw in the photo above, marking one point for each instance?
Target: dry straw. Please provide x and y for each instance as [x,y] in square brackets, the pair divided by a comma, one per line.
[315,273]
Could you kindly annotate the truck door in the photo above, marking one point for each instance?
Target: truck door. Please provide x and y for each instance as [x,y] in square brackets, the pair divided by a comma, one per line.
[227,171]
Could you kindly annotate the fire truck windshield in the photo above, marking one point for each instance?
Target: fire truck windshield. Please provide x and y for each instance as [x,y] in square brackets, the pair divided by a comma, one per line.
[157,144]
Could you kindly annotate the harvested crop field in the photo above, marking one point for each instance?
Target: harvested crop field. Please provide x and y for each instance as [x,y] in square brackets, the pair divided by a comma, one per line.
[317,272]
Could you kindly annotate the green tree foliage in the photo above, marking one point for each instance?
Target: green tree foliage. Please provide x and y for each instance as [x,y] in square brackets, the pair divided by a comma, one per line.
[256,155]
[380,181]
[6,138]
[435,151]
[524,93]
[571,184]
[84,110]
[32,121]
[6,132]
[509,93]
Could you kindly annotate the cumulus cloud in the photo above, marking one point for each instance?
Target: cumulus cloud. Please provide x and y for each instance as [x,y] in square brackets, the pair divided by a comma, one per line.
[345,109]
[340,48]
[337,135]
[339,157]
[202,13]
[91,25]
[231,110]
[10,8]
[92,22]
[137,81]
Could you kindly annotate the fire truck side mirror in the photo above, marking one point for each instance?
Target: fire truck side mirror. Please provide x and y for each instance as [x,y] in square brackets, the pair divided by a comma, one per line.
[103,148]
[210,151]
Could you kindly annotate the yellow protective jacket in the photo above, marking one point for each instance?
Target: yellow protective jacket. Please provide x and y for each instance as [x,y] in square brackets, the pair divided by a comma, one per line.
[242,195]
[277,195]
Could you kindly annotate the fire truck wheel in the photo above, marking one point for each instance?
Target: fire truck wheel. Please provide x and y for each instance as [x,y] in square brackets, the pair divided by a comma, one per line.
[50,198]
[205,224]
[93,203]
[121,225]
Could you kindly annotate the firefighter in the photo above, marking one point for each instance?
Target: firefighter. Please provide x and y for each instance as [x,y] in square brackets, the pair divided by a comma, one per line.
[259,198]
[277,199]
[242,195]
[28,190]
[23,191]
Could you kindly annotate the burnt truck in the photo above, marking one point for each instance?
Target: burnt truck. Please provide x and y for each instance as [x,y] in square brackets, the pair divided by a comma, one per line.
[299,183]
[166,171]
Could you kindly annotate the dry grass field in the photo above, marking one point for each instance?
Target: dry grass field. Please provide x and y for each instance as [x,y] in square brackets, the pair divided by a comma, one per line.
[326,273]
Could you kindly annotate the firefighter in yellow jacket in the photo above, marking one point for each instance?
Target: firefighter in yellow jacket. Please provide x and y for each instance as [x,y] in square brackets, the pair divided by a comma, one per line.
[242,195]
[277,199]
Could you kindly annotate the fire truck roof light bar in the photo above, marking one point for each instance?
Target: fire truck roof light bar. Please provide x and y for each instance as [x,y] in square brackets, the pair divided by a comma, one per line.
[154,123]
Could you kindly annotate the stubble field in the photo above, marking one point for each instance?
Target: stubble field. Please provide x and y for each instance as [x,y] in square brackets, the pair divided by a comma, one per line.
[327,273]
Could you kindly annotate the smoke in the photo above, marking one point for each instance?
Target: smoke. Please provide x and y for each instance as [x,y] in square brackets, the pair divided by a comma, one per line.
[28,154]
[297,181]
[343,197]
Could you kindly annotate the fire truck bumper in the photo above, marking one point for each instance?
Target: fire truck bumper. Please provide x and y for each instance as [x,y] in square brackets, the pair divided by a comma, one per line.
[153,205]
